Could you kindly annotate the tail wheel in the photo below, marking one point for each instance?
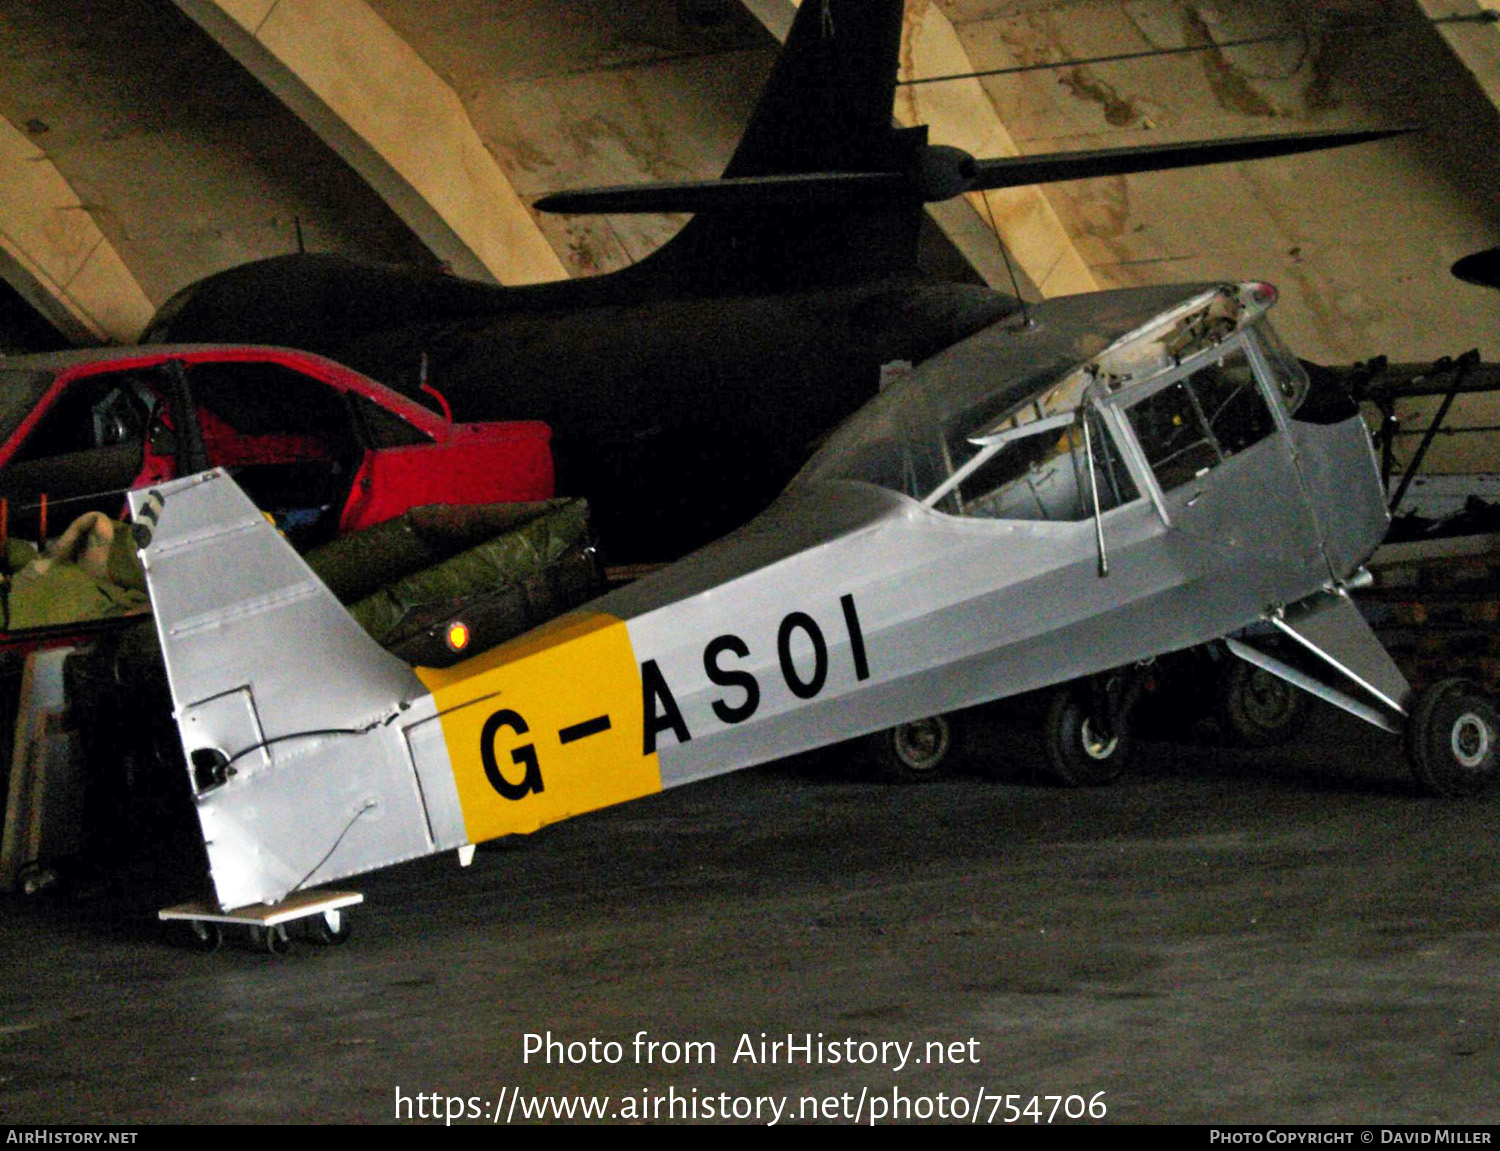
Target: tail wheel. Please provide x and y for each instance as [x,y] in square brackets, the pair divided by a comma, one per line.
[914,752]
[1453,739]
[1078,753]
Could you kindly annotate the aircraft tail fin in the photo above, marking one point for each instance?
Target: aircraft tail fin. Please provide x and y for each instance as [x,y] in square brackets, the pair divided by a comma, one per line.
[285,706]
[827,107]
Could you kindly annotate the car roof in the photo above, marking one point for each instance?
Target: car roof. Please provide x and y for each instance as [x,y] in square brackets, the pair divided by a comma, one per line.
[409,408]
[75,357]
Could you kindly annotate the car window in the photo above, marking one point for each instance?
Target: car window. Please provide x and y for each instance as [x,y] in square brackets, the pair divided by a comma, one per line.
[383,428]
[1196,422]
[265,399]
[104,411]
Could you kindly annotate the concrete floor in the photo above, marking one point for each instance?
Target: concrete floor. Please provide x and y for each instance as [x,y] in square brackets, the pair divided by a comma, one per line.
[1285,937]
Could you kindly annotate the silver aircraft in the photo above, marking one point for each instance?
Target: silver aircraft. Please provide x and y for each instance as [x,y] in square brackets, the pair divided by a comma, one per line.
[1052,501]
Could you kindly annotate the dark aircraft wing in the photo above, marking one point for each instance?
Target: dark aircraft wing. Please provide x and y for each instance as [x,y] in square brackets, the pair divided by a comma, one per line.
[942,172]
[1482,268]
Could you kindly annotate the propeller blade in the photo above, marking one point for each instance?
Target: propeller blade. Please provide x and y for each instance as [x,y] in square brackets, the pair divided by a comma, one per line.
[1017,171]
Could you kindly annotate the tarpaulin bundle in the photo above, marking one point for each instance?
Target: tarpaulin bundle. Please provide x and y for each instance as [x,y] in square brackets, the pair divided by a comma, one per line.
[360,564]
[90,572]
[451,556]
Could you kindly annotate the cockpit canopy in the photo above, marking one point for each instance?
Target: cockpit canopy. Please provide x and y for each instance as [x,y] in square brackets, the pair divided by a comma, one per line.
[991,427]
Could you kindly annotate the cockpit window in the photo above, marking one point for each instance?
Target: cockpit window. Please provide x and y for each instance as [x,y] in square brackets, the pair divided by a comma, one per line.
[1200,420]
[1044,476]
[991,427]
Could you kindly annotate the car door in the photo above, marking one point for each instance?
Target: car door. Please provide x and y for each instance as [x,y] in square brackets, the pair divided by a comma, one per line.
[289,439]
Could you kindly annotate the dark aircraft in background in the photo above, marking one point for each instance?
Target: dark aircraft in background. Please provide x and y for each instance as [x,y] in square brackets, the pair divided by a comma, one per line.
[687,389]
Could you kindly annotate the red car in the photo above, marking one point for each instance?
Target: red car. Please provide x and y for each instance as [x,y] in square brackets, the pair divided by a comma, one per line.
[321,447]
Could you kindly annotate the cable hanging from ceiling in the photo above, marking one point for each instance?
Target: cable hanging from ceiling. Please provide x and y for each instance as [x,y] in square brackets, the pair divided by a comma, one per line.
[1485,17]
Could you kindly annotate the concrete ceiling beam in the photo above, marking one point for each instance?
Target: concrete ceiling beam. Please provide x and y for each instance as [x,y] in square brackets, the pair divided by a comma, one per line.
[959,113]
[54,254]
[1476,43]
[352,79]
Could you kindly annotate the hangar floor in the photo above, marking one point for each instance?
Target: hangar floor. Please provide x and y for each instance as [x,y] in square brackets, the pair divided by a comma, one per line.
[1272,937]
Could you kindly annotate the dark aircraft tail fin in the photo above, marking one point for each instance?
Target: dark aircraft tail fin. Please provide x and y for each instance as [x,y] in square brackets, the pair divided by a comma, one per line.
[827,107]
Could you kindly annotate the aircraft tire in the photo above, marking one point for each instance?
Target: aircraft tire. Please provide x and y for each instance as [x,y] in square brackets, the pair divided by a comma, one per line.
[1074,756]
[915,752]
[1453,739]
[330,928]
[1258,709]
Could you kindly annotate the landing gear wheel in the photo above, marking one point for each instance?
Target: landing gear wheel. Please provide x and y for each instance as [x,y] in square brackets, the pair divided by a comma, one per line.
[330,928]
[1258,709]
[1076,754]
[914,752]
[196,935]
[1453,739]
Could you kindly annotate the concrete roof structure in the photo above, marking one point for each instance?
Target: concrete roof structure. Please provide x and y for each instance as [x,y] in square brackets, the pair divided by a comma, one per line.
[147,143]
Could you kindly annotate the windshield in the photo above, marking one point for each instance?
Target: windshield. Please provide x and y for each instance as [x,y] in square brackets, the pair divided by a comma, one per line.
[20,392]
[920,429]
[957,432]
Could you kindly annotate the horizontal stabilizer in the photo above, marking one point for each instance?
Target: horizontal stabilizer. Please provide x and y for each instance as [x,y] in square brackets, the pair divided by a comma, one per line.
[824,189]
[1047,169]
[940,173]
[1481,268]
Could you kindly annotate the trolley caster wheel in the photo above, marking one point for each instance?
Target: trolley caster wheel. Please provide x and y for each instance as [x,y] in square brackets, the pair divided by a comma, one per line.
[37,879]
[1453,739]
[330,928]
[196,935]
[1076,754]
[915,752]
[276,940]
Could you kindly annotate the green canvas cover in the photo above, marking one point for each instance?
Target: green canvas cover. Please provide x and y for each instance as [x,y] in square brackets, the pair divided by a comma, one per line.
[360,564]
[90,572]
[533,543]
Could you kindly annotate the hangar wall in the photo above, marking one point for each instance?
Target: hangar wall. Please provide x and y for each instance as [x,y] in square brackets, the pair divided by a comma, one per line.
[188,151]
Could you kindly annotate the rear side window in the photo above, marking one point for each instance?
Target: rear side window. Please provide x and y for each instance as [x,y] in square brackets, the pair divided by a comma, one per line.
[1046,477]
[259,399]
[383,428]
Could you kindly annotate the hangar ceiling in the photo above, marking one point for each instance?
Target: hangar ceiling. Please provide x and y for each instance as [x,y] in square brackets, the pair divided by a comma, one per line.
[147,143]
